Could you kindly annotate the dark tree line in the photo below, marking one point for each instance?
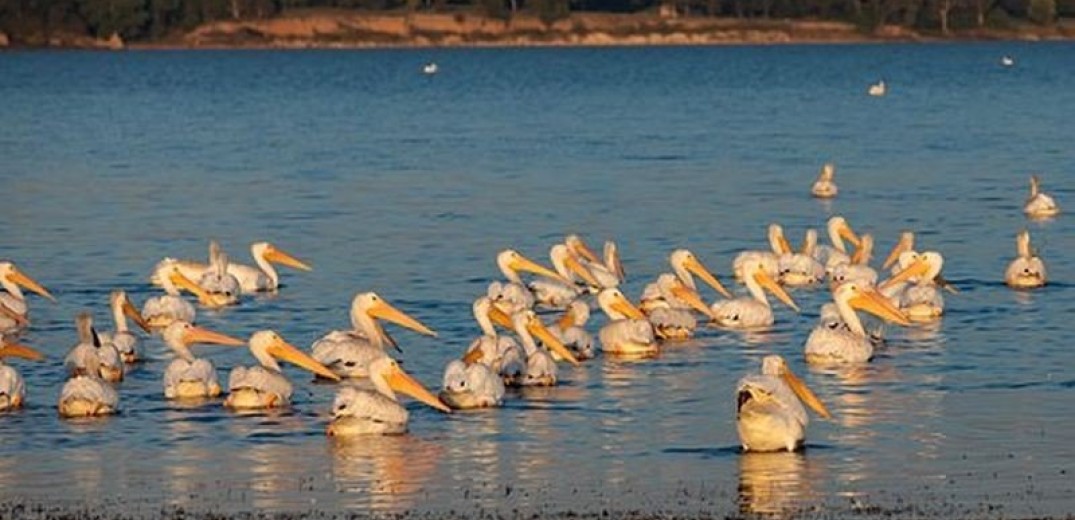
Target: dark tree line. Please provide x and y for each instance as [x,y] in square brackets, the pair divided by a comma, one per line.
[33,21]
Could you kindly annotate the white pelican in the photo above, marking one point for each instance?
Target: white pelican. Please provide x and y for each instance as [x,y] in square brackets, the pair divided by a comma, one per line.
[540,363]
[571,330]
[671,310]
[501,353]
[753,311]
[905,243]
[189,377]
[838,230]
[685,265]
[801,269]
[122,339]
[161,311]
[1027,270]
[857,268]
[12,387]
[1039,205]
[825,187]
[628,333]
[87,394]
[11,278]
[348,353]
[223,286]
[608,271]
[265,386]
[513,296]
[778,245]
[878,89]
[91,356]
[850,344]
[377,412]
[921,299]
[430,68]
[769,410]
[471,386]
[251,279]
[558,293]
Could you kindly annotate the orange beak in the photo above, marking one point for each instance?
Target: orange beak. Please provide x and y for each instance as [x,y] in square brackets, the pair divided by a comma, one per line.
[279,256]
[287,352]
[806,395]
[30,284]
[584,250]
[875,303]
[691,297]
[22,351]
[917,268]
[768,283]
[695,266]
[522,263]
[132,312]
[400,381]
[622,306]
[383,310]
[583,272]
[200,335]
[538,330]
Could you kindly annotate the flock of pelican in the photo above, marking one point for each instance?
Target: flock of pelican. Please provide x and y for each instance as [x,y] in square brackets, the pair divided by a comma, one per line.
[517,346]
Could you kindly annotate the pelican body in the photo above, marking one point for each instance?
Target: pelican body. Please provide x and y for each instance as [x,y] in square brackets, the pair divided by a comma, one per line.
[222,286]
[608,271]
[752,312]
[920,299]
[671,309]
[778,245]
[91,356]
[559,293]
[850,343]
[513,295]
[87,394]
[12,386]
[188,377]
[471,386]
[264,386]
[628,333]
[251,279]
[161,311]
[571,331]
[1027,271]
[825,187]
[500,353]
[802,269]
[358,411]
[769,408]
[1039,205]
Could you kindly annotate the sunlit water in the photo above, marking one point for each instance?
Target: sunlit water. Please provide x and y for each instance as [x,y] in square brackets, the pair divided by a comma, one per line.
[388,180]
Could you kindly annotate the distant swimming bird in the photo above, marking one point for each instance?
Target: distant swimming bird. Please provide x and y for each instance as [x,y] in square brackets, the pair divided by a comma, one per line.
[607,270]
[188,377]
[12,386]
[471,386]
[1039,205]
[264,385]
[752,312]
[12,279]
[850,343]
[430,68]
[628,333]
[122,339]
[1007,61]
[1027,270]
[91,354]
[825,187]
[252,279]
[360,411]
[878,89]
[769,410]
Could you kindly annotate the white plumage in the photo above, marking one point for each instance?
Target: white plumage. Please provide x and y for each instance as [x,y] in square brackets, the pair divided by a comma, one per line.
[769,408]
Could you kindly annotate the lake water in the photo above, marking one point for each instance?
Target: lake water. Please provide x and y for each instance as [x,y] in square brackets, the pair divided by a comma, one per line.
[384,179]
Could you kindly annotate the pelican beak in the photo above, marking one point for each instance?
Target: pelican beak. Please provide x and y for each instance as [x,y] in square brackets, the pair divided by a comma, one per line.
[875,303]
[19,319]
[30,284]
[846,233]
[400,381]
[806,395]
[917,268]
[539,330]
[691,297]
[903,245]
[383,310]
[522,263]
[765,281]
[567,320]
[622,306]
[284,351]
[200,335]
[186,283]
[132,312]
[500,317]
[584,250]
[695,266]
[473,356]
[22,351]
[278,256]
[583,272]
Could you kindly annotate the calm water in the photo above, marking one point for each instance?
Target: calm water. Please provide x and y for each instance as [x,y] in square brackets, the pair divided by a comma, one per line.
[387,180]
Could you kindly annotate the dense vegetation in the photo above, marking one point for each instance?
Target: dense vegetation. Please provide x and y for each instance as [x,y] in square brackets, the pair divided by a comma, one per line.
[34,21]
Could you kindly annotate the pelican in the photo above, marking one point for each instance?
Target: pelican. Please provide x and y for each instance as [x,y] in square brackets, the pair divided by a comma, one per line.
[348,353]
[513,296]
[1007,61]
[608,270]
[122,339]
[857,268]
[778,245]
[12,279]
[221,285]
[1027,270]
[12,387]
[571,330]
[161,311]
[752,312]
[685,266]
[86,394]
[628,333]
[850,344]
[430,69]
[921,301]
[189,377]
[500,353]
[91,356]
[540,363]
[878,89]
[824,187]
[263,277]
[265,386]
[801,269]
[471,386]
[377,412]
[769,411]
[1039,205]
[838,231]
[671,309]
[905,243]
[558,293]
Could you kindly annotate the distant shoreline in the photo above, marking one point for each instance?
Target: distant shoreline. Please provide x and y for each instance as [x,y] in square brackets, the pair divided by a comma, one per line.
[323,29]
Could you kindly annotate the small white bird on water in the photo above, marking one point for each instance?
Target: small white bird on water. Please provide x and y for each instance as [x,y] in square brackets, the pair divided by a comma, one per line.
[430,68]
[1007,61]
[878,89]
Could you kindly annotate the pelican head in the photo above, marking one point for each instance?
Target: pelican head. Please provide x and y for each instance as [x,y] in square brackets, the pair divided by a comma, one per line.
[11,278]
[617,306]
[180,335]
[774,365]
[918,267]
[1028,269]
[120,300]
[271,253]
[177,280]
[576,314]
[388,377]
[527,321]
[685,263]
[579,247]
[758,272]
[566,264]
[824,187]
[868,299]
[906,243]
[267,346]
[671,285]
[511,262]
[839,230]
[368,306]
